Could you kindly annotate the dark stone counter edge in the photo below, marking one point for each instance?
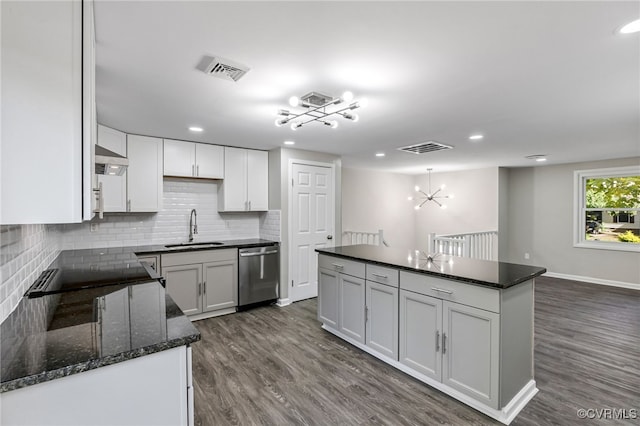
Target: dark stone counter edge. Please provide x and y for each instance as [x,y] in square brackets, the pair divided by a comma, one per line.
[96,363]
[160,249]
[439,274]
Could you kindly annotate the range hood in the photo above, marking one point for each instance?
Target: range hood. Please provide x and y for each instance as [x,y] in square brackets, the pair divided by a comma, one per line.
[109,163]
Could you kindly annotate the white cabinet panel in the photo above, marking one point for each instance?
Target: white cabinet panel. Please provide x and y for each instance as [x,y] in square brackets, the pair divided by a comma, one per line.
[471,351]
[190,159]
[114,188]
[179,158]
[209,161]
[328,297]
[220,285]
[246,181]
[382,319]
[42,147]
[420,333]
[144,175]
[352,294]
[258,180]
[183,283]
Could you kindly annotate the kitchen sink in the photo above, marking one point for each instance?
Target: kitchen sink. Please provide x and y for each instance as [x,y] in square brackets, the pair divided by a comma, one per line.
[193,245]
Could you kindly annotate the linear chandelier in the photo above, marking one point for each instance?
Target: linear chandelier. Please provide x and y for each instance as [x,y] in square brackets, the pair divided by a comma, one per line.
[318,107]
[423,197]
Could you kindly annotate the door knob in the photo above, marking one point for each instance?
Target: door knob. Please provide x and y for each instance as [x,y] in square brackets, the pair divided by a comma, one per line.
[329,237]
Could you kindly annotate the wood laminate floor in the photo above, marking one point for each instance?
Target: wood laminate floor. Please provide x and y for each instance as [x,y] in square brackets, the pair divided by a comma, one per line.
[276,366]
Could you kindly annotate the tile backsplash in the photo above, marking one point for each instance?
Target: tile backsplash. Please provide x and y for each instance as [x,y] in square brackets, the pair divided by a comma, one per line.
[171,224]
[26,250]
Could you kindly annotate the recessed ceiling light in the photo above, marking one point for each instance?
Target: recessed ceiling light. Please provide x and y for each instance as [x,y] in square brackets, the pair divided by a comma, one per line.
[537,157]
[475,137]
[289,143]
[631,27]
[196,129]
[379,154]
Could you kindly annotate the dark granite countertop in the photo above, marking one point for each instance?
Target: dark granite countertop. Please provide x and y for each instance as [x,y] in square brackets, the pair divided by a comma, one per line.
[225,244]
[479,272]
[63,334]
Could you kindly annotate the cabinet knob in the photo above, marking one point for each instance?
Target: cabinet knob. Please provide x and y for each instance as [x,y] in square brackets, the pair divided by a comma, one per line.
[329,237]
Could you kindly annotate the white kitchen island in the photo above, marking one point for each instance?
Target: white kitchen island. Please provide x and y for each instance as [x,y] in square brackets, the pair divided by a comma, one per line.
[462,326]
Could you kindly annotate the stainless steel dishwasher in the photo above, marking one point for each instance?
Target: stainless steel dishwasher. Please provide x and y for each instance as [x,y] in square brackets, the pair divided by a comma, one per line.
[258,276]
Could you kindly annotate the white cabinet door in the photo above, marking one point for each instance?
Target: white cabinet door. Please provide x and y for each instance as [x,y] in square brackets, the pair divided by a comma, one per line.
[179,158]
[328,297]
[184,285]
[351,314]
[209,161]
[232,194]
[258,180]
[471,351]
[41,165]
[114,188]
[144,175]
[382,319]
[421,333]
[220,285]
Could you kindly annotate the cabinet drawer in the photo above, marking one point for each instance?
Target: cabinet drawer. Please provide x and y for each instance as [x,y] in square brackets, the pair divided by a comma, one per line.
[344,266]
[467,294]
[198,256]
[380,274]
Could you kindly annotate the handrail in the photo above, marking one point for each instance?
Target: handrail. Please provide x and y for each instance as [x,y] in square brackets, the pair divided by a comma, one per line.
[476,245]
[361,237]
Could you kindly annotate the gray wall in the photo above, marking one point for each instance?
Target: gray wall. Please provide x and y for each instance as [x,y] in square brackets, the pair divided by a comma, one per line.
[279,199]
[541,220]
[373,200]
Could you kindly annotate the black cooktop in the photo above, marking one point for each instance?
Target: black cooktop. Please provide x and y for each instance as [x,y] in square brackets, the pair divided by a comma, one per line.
[83,269]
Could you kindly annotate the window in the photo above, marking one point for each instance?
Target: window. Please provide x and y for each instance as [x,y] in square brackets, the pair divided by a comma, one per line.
[607,202]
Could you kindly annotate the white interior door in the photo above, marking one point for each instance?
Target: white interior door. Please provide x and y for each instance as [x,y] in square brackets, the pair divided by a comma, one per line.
[312,221]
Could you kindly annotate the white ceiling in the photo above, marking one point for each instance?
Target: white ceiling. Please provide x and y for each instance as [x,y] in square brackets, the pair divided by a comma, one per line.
[534,77]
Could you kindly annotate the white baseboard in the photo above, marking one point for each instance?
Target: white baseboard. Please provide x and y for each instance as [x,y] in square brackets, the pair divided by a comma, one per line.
[283,302]
[592,280]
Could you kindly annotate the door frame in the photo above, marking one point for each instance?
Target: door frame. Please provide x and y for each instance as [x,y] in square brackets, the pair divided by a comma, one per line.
[293,161]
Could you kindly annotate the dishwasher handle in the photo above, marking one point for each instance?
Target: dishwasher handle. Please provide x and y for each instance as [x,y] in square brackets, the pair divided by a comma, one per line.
[258,253]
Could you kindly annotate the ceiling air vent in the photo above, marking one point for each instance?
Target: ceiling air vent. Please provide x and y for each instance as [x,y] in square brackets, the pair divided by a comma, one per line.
[226,69]
[424,147]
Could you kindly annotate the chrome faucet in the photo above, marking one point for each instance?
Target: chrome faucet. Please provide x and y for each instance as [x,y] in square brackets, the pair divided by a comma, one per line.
[193,224]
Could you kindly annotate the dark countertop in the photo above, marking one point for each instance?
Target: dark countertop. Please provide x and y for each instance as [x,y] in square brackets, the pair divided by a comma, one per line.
[58,335]
[240,244]
[479,272]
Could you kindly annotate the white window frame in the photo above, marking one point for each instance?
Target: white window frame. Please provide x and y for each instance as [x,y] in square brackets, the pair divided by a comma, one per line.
[579,178]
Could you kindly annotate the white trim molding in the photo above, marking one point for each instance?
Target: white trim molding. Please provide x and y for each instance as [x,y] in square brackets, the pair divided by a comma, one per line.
[592,280]
[281,303]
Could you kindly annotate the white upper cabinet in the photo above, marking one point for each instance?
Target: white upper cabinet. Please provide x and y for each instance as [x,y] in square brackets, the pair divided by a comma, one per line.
[144,174]
[114,188]
[190,159]
[43,149]
[246,181]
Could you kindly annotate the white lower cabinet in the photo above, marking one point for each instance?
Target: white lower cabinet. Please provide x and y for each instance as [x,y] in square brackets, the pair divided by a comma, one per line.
[202,283]
[382,318]
[472,342]
[471,351]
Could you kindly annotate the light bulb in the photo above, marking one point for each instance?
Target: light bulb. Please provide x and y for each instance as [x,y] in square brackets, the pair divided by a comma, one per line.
[334,124]
[283,112]
[355,118]
[347,96]
[417,188]
[294,101]
[451,196]
[442,186]
[417,207]
[631,27]
[278,122]
[294,126]
[410,198]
